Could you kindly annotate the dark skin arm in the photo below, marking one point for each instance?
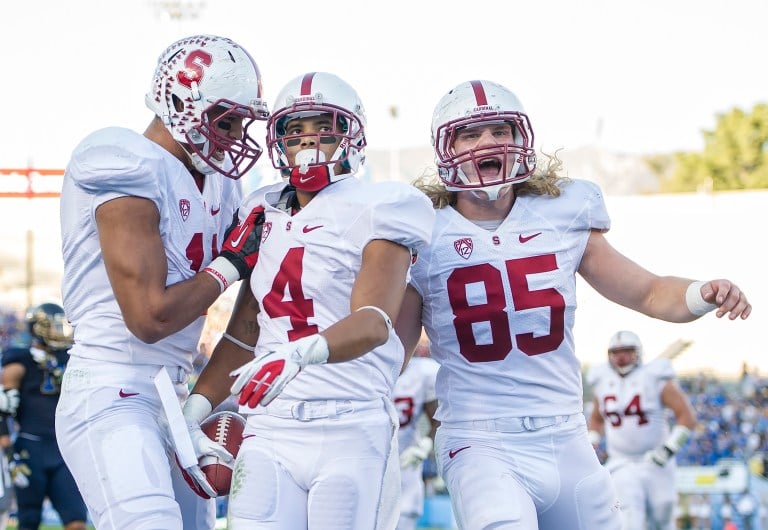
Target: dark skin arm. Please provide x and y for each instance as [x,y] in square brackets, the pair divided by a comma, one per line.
[430,407]
[380,283]
[214,381]
[136,264]
[408,325]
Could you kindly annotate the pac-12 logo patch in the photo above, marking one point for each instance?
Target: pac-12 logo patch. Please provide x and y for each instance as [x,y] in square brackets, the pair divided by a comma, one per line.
[184,208]
[265,230]
[463,247]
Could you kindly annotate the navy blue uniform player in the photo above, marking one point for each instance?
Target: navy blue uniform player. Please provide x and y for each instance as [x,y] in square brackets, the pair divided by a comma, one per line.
[36,373]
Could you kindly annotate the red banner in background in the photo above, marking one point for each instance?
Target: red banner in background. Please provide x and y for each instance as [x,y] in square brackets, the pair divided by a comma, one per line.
[31,183]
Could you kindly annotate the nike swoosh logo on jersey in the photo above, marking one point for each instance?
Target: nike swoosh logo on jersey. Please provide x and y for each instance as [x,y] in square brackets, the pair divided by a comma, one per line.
[453,453]
[124,394]
[217,210]
[525,239]
[308,228]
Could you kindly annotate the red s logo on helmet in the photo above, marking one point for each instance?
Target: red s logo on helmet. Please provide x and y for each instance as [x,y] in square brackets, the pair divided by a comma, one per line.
[193,71]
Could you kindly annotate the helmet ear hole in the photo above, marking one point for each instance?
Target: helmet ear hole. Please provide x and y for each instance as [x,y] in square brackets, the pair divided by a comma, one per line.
[177,103]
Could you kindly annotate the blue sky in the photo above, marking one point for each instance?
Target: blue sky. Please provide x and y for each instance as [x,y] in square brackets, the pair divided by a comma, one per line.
[633,77]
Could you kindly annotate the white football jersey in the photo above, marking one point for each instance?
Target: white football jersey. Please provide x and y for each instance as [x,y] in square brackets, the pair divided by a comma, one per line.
[635,420]
[116,162]
[308,263]
[414,388]
[499,306]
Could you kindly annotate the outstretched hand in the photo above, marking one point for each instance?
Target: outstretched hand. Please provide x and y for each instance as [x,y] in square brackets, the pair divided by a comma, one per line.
[728,298]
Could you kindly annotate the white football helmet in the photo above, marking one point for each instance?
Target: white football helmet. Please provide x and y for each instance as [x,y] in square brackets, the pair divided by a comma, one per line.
[625,340]
[309,95]
[472,104]
[195,75]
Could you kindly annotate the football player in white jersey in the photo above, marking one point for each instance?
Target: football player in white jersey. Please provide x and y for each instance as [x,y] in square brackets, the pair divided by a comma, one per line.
[414,395]
[320,449]
[496,293]
[630,400]
[143,218]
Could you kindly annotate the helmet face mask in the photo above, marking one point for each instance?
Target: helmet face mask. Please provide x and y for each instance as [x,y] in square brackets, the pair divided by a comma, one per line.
[201,83]
[625,352]
[48,325]
[317,94]
[482,104]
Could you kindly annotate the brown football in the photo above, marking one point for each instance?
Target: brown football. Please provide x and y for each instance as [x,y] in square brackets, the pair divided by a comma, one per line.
[226,429]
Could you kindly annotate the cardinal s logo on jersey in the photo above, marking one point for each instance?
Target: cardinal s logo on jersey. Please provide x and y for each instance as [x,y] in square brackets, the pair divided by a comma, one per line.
[463,247]
[184,208]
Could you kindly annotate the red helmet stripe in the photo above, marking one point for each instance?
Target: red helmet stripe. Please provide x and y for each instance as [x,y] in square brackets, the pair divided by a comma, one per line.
[306,84]
[477,88]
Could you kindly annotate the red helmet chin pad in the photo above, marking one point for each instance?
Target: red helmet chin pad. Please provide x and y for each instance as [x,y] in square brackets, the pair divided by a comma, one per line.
[316,178]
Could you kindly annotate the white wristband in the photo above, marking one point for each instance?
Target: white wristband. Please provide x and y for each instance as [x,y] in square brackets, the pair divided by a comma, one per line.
[311,350]
[380,311]
[223,271]
[695,302]
[677,438]
[196,408]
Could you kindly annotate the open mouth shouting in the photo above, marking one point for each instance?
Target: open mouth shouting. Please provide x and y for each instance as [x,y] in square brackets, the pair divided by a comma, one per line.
[489,169]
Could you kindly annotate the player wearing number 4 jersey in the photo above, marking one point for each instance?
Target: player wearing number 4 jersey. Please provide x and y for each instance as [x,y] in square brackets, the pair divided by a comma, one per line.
[496,293]
[319,450]
[143,217]
[630,402]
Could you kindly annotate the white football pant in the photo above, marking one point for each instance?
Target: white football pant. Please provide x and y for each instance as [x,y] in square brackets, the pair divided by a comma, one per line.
[320,472]
[526,474]
[112,433]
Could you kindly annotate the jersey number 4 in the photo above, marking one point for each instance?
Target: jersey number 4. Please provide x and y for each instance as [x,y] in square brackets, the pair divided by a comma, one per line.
[493,311]
[299,308]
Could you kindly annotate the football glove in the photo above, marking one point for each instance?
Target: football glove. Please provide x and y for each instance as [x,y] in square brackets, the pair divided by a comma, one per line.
[196,409]
[415,454]
[676,439]
[260,381]
[9,400]
[240,250]
[19,470]
[659,456]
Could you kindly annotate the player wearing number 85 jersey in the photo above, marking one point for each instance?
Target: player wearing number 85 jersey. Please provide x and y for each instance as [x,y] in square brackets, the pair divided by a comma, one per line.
[496,293]
[145,220]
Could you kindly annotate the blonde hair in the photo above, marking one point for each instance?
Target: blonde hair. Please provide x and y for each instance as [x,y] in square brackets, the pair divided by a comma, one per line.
[546,180]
